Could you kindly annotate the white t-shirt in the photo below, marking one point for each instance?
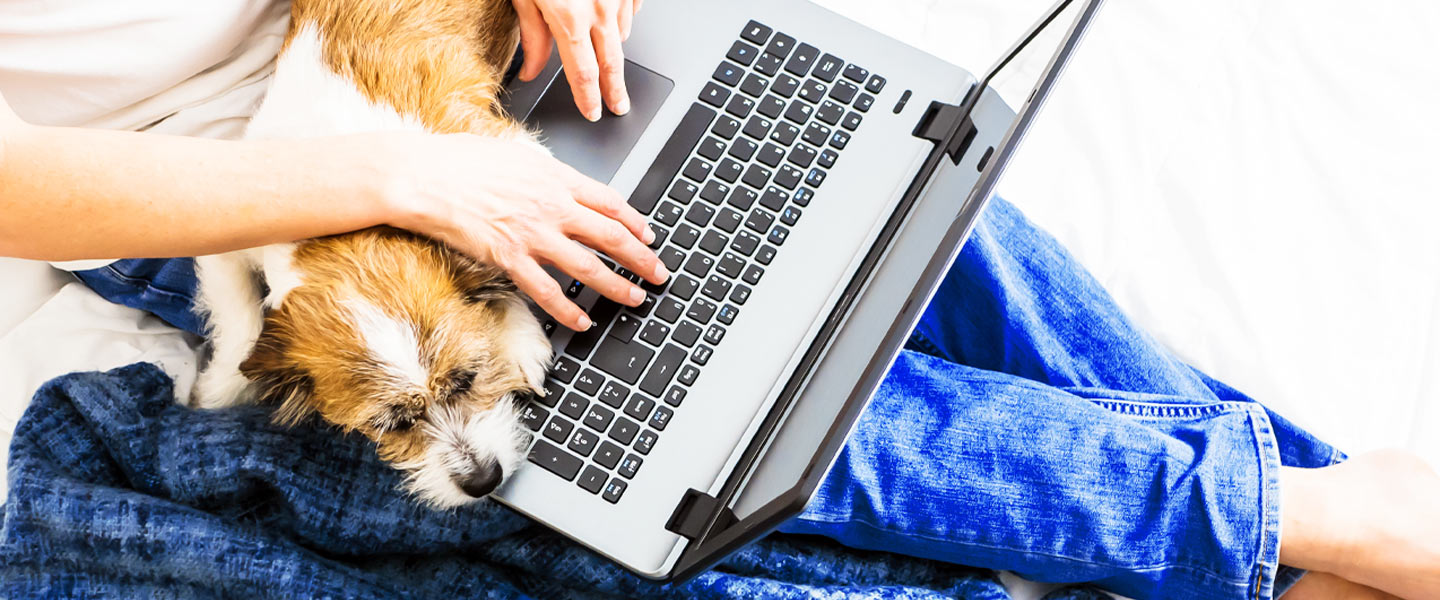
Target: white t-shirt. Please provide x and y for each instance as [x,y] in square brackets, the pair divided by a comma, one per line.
[182,67]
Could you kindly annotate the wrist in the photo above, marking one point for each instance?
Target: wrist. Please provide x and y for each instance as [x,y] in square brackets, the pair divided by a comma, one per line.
[381,169]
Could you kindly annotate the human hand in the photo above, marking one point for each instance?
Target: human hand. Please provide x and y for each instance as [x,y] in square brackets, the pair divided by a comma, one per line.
[510,204]
[588,33]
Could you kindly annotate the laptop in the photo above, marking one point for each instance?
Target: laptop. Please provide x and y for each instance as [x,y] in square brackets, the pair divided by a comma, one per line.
[810,181]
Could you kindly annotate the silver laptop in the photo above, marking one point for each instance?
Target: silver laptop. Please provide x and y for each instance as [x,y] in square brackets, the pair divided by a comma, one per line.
[811,180]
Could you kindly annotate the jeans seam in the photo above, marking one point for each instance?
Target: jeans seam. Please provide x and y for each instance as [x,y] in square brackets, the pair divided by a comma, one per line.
[142,285]
[1268,542]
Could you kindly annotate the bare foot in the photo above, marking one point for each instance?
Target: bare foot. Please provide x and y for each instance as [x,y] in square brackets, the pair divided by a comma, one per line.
[1374,520]
[1324,586]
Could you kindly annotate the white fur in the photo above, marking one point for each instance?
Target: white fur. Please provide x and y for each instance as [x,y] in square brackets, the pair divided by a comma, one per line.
[390,341]
[459,444]
[526,344]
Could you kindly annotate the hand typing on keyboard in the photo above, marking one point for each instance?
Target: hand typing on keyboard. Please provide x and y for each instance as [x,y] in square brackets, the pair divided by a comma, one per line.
[588,33]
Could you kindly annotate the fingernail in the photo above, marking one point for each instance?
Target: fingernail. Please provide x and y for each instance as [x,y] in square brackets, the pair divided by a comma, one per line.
[623,106]
[648,236]
[637,296]
[586,323]
[661,275]
[593,115]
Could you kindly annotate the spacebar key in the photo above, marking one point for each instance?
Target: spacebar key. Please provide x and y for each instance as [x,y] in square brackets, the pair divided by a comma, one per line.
[663,371]
[555,460]
[672,157]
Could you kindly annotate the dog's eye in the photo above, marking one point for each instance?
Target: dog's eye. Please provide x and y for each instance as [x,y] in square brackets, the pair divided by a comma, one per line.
[461,382]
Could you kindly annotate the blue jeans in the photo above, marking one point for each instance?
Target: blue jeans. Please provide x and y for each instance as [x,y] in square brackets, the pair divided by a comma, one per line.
[1029,426]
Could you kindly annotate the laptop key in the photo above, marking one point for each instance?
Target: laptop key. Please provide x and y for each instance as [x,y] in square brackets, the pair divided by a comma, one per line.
[769,64]
[532,416]
[626,326]
[765,255]
[852,121]
[584,341]
[863,102]
[728,74]
[827,68]
[599,418]
[839,140]
[660,373]
[675,396]
[800,156]
[790,216]
[785,85]
[803,195]
[815,177]
[844,92]
[697,170]
[716,288]
[574,405]
[669,310]
[714,192]
[712,149]
[785,134]
[629,466]
[700,215]
[756,32]
[683,287]
[645,442]
[729,170]
[699,265]
[726,127]
[583,442]
[856,73]
[661,418]
[742,53]
[743,149]
[740,294]
[564,369]
[672,257]
[553,392]
[714,242]
[671,158]
[639,407]
[613,491]
[613,394]
[742,198]
[781,45]
[625,361]
[812,91]
[701,311]
[745,243]
[830,113]
[770,155]
[608,454]
[558,429]
[655,332]
[740,106]
[728,221]
[727,314]
[714,94]
[730,265]
[759,221]
[715,333]
[551,458]
[816,134]
[686,334]
[799,112]
[645,307]
[592,480]
[700,356]
[752,274]
[688,374]
[624,430]
[683,190]
[754,85]
[803,59]
[757,127]
[774,197]
[876,84]
[669,213]
[771,106]
[685,236]
[756,176]
[777,236]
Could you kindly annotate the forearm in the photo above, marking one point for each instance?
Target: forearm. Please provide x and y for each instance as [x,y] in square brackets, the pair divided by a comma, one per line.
[76,193]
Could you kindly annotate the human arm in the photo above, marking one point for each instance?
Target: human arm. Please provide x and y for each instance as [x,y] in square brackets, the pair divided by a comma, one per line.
[588,34]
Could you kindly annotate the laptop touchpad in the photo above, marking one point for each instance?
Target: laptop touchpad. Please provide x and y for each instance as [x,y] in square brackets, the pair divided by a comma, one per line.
[598,149]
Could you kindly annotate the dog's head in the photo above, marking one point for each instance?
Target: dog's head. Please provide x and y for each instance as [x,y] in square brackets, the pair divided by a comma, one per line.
[425,352]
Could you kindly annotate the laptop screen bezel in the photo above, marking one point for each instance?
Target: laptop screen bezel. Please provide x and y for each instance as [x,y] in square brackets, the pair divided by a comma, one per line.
[716,541]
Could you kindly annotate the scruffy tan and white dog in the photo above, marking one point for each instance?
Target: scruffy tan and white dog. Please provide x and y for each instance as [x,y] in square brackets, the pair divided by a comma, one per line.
[382,332]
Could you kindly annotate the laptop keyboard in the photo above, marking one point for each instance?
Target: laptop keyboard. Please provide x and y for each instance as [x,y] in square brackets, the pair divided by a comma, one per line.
[723,195]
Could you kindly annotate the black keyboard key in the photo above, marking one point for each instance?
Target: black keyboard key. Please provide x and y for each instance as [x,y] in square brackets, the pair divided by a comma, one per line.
[639,407]
[672,258]
[564,369]
[669,310]
[712,149]
[686,334]
[699,265]
[740,106]
[728,74]
[816,134]
[659,376]
[683,190]
[757,176]
[626,326]
[599,417]
[573,290]
[772,106]
[757,127]
[785,85]
[699,214]
[785,134]
[745,243]
[743,53]
[752,274]
[856,74]
[827,68]
[716,287]
[781,45]
[789,177]
[714,192]
[827,159]
[558,429]
[661,418]
[815,177]
[770,155]
[742,198]
[549,326]
[645,442]
[726,127]
[553,392]
[574,406]
[629,466]
[777,237]
[769,64]
[583,443]
[701,311]
[803,59]
[715,333]
[613,394]
[740,295]
[625,361]
[675,396]
[688,374]
[645,307]
[851,121]
[532,416]
[800,156]
[608,454]
[584,341]
[754,85]
[713,242]
[714,94]
[730,265]
[790,216]
[839,140]
[864,102]
[729,170]
[669,213]
[683,287]
[727,221]
[743,150]
[624,430]
[592,480]
[765,255]
[655,332]
[697,170]
[844,92]
[685,236]
[774,198]
[672,156]
[727,314]
[876,84]
[553,459]
[613,491]
[799,112]
[804,195]
[812,91]
[759,221]
[830,112]
[701,355]
[756,32]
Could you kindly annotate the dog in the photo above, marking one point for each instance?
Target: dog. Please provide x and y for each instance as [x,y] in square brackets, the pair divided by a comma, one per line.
[419,348]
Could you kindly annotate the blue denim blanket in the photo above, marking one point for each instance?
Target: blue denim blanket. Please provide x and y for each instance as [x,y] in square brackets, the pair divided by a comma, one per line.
[118,492]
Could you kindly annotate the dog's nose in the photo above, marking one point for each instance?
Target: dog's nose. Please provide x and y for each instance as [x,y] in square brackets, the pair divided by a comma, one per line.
[483,480]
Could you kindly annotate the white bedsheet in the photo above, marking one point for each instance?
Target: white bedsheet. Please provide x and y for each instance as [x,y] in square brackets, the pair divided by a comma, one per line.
[1253,181]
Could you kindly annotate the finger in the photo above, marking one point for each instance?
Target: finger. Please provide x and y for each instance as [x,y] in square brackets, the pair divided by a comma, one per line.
[627,16]
[536,283]
[609,236]
[612,67]
[534,39]
[637,5]
[606,201]
[581,70]
[582,264]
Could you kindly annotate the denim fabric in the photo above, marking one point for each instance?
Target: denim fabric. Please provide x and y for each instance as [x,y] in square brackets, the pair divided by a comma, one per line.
[1029,426]
[163,286]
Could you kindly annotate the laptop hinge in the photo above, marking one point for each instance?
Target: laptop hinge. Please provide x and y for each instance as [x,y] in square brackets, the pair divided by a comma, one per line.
[947,124]
[694,509]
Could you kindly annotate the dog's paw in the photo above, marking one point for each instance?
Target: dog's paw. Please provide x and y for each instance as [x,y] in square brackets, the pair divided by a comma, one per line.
[221,388]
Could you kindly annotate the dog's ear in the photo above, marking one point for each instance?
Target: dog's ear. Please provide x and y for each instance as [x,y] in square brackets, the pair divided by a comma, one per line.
[479,282]
[281,381]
